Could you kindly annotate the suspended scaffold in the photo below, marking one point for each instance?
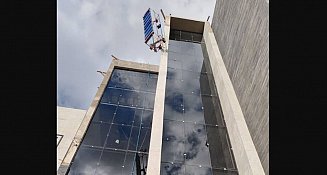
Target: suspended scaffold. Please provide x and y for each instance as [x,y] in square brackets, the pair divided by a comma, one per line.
[153,33]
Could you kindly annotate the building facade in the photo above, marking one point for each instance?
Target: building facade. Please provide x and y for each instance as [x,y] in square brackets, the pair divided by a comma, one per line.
[241,29]
[181,117]
[68,121]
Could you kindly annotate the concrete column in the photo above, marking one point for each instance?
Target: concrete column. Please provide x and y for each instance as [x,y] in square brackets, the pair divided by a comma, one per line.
[158,113]
[246,156]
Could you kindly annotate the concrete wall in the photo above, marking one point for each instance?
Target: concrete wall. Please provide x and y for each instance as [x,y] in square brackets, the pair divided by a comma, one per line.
[242,33]
[68,121]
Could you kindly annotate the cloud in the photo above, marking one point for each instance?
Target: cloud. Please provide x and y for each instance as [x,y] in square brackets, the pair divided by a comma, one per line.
[89,31]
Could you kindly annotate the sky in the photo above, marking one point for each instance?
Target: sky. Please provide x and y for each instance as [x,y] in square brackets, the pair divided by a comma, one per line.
[90,31]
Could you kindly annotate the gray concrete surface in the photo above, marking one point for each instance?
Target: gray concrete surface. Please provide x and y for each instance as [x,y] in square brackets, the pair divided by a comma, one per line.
[246,156]
[68,121]
[241,28]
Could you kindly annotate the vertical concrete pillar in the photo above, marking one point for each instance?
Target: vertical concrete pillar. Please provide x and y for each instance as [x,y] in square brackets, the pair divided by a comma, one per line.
[246,156]
[158,113]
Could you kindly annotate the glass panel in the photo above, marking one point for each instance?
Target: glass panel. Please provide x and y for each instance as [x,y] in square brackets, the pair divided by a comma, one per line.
[193,109]
[223,172]
[176,85]
[104,113]
[173,63]
[96,134]
[134,139]
[152,85]
[137,117]
[149,100]
[135,162]
[196,146]
[212,111]
[172,169]
[197,170]
[111,96]
[221,156]
[111,163]
[126,98]
[197,37]
[124,115]
[118,137]
[147,118]
[85,162]
[173,142]
[174,73]
[144,140]
[172,114]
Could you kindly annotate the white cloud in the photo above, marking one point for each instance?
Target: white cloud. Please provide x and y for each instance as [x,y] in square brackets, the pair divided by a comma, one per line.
[89,31]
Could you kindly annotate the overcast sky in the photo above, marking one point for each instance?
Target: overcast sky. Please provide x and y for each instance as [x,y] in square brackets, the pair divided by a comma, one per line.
[89,31]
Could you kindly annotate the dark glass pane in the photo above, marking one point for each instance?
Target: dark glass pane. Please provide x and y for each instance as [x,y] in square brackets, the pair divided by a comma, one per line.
[173,63]
[121,79]
[172,114]
[197,170]
[96,134]
[174,34]
[147,118]
[149,100]
[221,156]
[176,56]
[196,146]
[118,137]
[174,85]
[137,118]
[85,161]
[172,169]
[174,73]
[134,139]
[188,48]
[204,83]
[144,140]
[191,82]
[186,36]
[193,109]
[173,142]
[104,113]
[111,96]
[134,162]
[153,76]
[138,99]
[152,85]
[188,63]
[126,99]
[223,172]
[212,112]
[111,163]
[212,85]
[197,37]
[124,115]
[175,100]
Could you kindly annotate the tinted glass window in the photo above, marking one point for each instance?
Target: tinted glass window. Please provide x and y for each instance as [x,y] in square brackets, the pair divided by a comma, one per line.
[195,139]
[118,138]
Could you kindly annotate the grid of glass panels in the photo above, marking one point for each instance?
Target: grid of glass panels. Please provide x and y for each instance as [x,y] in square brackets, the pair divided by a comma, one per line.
[118,137]
[195,139]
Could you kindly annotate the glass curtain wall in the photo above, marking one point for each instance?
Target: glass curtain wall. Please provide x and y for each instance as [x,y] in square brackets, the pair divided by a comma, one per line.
[195,139]
[118,137]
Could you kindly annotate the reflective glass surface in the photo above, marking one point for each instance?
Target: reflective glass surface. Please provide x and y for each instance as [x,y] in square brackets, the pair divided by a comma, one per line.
[118,138]
[195,139]
[85,161]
